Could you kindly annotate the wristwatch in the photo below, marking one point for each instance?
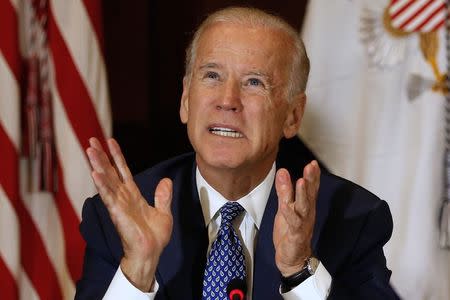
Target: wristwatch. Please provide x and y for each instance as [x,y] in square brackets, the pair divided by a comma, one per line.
[290,282]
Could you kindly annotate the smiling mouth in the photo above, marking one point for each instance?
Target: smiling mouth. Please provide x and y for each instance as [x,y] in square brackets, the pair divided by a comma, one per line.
[226,132]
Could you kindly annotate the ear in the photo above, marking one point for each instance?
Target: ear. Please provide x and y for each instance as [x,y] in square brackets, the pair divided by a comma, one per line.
[184,105]
[294,116]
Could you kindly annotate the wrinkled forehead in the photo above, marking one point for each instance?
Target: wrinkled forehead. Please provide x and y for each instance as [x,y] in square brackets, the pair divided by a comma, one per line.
[267,46]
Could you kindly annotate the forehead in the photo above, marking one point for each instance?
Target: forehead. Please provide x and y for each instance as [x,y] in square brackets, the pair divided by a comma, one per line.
[245,46]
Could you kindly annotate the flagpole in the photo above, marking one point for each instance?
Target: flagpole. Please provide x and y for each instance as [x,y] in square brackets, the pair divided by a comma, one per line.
[444,237]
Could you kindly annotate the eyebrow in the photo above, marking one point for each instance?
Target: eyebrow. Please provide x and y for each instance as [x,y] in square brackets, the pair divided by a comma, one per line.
[209,66]
[257,73]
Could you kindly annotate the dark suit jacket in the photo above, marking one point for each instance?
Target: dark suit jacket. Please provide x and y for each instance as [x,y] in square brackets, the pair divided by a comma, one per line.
[352,225]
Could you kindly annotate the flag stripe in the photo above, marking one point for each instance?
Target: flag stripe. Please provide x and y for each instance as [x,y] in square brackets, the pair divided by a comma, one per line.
[397,5]
[90,67]
[420,15]
[9,71]
[38,265]
[39,204]
[94,10]
[73,241]
[8,284]
[73,92]
[26,289]
[420,10]
[71,163]
[434,13]
[71,155]
[441,23]
[71,139]
[9,45]
[9,231]
[433,24]
[9,252]
[400,8]
[9,68]
[399,18]
[413,25]
[9,103]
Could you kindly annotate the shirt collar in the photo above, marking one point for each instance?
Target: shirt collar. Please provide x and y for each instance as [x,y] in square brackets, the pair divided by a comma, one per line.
[254,202]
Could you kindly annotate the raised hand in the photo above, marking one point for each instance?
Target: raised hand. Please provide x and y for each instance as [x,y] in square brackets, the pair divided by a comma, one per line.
[295,218]
[144,230]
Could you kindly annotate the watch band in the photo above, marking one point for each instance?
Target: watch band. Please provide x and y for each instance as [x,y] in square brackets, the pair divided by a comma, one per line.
[290,282]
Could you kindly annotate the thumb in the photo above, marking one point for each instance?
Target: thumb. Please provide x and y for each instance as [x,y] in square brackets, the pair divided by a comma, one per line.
[163,195]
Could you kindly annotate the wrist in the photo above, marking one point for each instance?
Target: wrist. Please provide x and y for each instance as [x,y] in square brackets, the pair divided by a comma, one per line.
[289,264]
[140,274]
[291,270]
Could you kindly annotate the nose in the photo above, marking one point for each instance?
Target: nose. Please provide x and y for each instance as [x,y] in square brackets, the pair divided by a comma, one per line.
[230,99]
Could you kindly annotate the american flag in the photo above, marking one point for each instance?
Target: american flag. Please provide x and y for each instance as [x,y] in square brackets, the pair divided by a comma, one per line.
[417,15]
[53,97]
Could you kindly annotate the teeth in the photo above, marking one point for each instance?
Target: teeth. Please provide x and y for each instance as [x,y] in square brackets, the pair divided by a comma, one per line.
[227,132]
[222,129]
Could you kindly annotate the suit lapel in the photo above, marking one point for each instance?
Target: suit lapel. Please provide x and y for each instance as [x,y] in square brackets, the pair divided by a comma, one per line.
[322,210]
[182,263]
[266,278]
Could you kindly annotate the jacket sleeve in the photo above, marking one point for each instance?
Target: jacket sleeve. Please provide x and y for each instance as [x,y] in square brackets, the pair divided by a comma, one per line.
[365,274]
[99,265]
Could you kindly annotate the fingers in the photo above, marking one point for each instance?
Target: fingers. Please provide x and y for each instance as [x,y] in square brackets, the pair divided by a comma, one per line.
[283,186]
[295,213]
[298,207]
[117,171]
[301,205]
[119,160]
[105,176]
[306,190]
[104,188]
[101,166]
[97,157]
[311,173]
[163,195]
[95,143]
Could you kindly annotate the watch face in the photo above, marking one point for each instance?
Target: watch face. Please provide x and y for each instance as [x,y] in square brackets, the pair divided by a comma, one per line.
[313,263]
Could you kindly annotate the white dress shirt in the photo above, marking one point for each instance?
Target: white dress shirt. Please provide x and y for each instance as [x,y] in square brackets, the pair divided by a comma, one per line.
[247,226]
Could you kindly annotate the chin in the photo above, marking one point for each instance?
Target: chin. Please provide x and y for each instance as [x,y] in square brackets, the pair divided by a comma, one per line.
[222,159]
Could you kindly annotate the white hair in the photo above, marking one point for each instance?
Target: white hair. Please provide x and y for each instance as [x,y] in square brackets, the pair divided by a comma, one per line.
[257,18]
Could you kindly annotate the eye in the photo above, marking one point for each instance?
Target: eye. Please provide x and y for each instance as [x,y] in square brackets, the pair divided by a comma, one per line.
[255,82]
[211,75]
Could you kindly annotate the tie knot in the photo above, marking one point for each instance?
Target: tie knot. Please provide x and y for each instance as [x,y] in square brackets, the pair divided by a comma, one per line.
[230,211]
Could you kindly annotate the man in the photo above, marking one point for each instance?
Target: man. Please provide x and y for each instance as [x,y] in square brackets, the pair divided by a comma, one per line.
[164,234]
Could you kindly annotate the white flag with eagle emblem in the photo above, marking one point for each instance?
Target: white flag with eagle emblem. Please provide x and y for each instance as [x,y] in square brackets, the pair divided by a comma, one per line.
[376,115]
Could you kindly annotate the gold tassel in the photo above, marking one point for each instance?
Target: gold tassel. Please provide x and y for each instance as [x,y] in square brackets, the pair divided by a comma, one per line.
[429,45]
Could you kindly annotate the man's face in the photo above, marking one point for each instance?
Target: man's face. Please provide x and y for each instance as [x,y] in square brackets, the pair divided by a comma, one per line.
[235,103]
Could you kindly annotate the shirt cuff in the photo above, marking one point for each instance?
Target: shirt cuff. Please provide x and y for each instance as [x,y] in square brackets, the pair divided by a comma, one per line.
[316,287]
[121,288]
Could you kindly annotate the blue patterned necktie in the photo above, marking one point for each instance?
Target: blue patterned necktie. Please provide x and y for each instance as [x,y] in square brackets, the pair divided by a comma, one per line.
[226,259]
